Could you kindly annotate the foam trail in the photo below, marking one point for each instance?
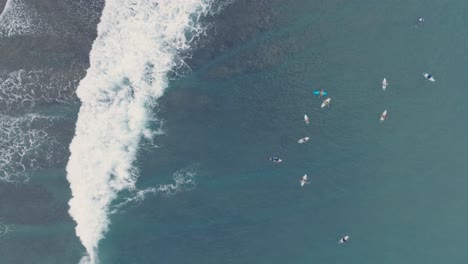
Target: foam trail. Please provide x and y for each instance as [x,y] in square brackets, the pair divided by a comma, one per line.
[184,180]
[139,42]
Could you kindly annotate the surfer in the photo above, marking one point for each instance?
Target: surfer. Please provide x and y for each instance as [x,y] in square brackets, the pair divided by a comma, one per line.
[383,116]
[326,102]
[429,77]
[275,159]
[304,180]
[384,84]
[343,240]
[421,20]
[321,92]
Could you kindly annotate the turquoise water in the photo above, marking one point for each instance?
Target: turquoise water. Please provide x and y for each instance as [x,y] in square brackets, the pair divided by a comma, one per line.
[396,188]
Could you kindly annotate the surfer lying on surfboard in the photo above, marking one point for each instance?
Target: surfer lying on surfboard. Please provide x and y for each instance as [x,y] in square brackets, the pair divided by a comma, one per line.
[343,240]
[326,102]
[304,180]
[320,92]
[384,84]
[383,116]
[429,77]
[275,159]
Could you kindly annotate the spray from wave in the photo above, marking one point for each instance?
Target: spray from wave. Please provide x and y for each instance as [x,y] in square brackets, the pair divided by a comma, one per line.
[139,42]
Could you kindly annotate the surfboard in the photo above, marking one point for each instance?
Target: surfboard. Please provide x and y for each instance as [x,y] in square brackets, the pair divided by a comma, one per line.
[429,77]
[306,119]
[383,116]
[317,92]
[384,84]
[275,161]
[304,180]
[343,240]
[326,102]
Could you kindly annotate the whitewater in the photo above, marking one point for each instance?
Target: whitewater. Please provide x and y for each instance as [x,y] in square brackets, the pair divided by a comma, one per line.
[139,42]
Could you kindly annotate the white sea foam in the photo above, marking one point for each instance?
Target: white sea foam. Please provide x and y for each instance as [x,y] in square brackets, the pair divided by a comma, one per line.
[23,89]
[139,42]
[19,18]
[184,180]
[5,229]
[25,139]
[26,146]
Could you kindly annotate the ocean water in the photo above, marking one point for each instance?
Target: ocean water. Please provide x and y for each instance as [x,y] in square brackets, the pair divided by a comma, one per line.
[170,166]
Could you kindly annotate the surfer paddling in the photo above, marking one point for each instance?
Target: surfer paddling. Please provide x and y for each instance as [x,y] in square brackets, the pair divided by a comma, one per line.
[275,159]
[384,84]
[306,119]
[343,240]
[304,180]
[320,92]
[383,116]
[429,77]
[326,102]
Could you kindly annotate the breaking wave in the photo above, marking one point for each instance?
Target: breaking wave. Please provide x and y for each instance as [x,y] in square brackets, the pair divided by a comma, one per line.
[35,141]
[139,43]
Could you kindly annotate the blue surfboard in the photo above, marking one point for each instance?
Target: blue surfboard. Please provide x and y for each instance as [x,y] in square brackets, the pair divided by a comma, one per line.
[318,93]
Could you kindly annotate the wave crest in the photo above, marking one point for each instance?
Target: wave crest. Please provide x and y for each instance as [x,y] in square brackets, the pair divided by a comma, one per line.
[138,44]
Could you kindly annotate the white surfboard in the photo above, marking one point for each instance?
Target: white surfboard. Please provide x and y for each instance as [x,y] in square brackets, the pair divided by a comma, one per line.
[343,240]
[429,77]
[275,159]
[326,102]
[383,116]
[384,84]
[303,140]
[304,180]
[306,119]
